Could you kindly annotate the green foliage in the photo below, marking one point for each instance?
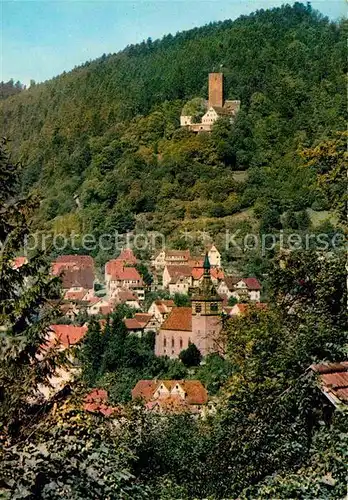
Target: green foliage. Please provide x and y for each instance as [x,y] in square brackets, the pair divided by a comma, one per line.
[25,312]
[190,356]
[74,456]
[182,300]
[214,372]
[232,301]
[108,130]
[195,108]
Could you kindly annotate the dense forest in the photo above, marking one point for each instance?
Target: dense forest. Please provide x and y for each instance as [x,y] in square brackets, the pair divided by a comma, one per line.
[108,131]
[10,88]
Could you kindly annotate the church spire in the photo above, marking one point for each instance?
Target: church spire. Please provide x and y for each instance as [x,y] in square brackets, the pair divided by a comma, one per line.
[206,265]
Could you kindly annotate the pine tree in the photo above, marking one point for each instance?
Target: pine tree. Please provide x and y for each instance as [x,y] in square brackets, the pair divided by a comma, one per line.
[25,310]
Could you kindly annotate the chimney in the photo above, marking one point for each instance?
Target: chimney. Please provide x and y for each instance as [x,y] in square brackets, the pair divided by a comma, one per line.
[216,90]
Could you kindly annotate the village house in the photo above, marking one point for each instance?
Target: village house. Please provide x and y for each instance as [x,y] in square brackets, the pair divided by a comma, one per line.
[126,297]
[171,396]
[241,309]
[97,402]
[70,310]
[217,107]
[76,272]
[333,382]
[160,309]
[99,306]
[243,289]
[140,324]
[174,273]
[214,256]
[170,257]
[199,324]
[61,337]
[119,276]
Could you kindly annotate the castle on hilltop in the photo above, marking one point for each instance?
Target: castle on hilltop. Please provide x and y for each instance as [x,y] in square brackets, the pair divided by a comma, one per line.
[215,107]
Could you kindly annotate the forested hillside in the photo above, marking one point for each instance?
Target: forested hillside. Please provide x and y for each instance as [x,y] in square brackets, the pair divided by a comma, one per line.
[108,131]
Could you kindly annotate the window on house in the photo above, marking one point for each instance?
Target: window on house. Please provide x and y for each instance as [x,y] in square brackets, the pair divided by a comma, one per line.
[173,342]
[213,307]
[198,308]
[164,342]
[180,343]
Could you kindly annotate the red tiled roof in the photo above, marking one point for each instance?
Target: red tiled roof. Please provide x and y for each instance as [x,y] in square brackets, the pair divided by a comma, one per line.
[196,393]
[72,261]
[75,275]
[183,254]
[94,300]
[252,283]
[197,273]
[19,262]
[176,272]
[144,389]
[164,306]
[85,260]
[75,295]
[143,318]
[245,308]
[68,334]
[180,318]
[333,378]
[117,271]
[106,310]
[125,295]
[127,256]
[133,324]
[96,402]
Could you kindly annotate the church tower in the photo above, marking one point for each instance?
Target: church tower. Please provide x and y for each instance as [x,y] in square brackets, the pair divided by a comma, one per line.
[206,313]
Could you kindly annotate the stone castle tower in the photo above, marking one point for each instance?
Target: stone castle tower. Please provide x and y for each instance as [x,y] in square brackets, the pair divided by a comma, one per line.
[216,90]
[206,314]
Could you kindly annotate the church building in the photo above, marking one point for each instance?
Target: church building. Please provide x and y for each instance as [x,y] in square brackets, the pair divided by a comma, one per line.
[199,324]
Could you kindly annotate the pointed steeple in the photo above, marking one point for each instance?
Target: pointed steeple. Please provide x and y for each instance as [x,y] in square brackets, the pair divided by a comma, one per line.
[206,265]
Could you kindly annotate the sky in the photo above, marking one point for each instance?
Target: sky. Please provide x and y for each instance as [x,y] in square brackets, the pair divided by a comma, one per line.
[42,38]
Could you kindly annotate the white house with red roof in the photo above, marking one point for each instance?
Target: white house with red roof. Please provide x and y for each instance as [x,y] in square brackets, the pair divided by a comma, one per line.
[243,289]
[170,258]
[173,396]
[160,309]
[177,278]
[61,337]
[214,256]
[119,276]
[141,323]
[127,297]
[100,306]
[241,309]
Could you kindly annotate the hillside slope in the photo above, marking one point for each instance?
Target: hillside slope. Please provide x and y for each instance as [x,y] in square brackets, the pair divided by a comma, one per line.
[108,131]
